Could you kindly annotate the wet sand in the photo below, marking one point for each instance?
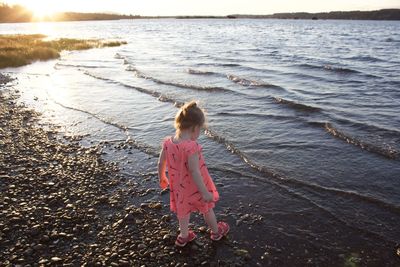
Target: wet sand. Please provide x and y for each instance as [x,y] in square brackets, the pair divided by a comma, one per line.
[63,205]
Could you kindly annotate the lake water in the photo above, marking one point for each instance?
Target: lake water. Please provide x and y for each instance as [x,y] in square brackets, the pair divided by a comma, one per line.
[303,117]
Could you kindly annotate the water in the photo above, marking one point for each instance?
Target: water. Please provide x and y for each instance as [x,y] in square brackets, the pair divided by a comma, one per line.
[303,118]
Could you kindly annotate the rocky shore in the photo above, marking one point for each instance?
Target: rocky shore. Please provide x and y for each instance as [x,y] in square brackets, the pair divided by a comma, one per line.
[63,205]
[4,79]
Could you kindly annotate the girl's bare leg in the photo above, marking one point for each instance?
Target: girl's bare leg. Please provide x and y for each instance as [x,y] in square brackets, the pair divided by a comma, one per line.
[184,226]
[211,221]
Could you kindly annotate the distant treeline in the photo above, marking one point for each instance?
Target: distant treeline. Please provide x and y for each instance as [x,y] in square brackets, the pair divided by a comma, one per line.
[383,14]
[74,16]
[19,13]
[15,13]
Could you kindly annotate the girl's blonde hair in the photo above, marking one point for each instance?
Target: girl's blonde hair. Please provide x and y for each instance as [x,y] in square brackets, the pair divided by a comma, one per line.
[189,116]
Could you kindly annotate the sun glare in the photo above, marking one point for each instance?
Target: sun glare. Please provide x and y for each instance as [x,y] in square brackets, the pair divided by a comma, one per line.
[42,8]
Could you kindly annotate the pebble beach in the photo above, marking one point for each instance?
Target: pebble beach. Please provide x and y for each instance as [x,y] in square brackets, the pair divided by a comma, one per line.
[63,205]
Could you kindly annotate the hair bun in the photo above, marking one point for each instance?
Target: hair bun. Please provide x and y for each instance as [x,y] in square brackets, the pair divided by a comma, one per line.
[192,104]
[188,106]
[188,116]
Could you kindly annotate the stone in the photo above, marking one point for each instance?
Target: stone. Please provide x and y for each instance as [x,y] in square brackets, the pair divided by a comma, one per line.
[29,252]
[34,230]
[129,217]
[166,218]
[56,259]
[123,263]
[155,205]
[202,229]
[38,247]
[142,246]
[116,224]
[243,253]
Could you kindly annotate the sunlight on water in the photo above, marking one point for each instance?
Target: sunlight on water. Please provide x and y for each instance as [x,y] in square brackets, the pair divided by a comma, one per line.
[49,29]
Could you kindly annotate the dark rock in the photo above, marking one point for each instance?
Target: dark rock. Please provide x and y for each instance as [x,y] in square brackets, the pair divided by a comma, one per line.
[141,246]
[243,253]
[129,217]
[123,263]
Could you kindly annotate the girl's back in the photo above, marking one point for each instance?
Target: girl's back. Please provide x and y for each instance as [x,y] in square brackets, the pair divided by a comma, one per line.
[185,195]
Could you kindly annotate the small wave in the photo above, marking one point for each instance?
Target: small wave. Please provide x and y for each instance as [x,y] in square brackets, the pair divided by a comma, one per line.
[391,40]
[339,70]
[230,65]
[387,152]
[180,85]
[383,131]
[119,56]
[255,115]
[366,198]
[200,72]
[102,119]
[392,82]
[133,69]
[129,141]
[365,59]
[78,66]
[219,64]
[189,86]
[233,149]
[160,97]
[247,82]
[296,106]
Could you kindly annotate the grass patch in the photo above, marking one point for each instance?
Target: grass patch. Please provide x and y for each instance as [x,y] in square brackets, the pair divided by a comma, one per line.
[20,50]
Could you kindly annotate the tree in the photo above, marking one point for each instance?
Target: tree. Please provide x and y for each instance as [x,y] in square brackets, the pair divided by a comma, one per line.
[15,13]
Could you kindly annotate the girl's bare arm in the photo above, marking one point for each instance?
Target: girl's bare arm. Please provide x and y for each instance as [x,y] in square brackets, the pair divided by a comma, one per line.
[162,163]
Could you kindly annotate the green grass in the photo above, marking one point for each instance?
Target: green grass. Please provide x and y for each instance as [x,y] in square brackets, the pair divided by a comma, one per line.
[20,50]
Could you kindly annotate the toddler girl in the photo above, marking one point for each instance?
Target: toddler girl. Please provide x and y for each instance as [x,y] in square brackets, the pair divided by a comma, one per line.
[191,187]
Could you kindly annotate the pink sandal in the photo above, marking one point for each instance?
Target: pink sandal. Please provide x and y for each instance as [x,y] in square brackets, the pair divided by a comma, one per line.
[181,241]
[223,229]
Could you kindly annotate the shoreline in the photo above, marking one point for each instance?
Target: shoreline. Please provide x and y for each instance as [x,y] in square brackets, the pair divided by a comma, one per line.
[62,204]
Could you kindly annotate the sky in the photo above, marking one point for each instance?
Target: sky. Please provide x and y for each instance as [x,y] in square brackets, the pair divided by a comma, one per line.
[201,7]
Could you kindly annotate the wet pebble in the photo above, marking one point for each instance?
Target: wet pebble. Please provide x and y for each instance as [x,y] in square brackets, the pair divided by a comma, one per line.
[56,259]
[142,246]
[243,253]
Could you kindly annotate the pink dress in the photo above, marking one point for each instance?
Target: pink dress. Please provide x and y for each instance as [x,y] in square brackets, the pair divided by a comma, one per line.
[184,194]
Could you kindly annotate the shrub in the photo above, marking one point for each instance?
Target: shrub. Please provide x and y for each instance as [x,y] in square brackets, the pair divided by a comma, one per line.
[19,50]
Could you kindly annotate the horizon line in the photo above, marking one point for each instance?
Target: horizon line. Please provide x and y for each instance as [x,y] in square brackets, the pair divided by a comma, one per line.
[231,14]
